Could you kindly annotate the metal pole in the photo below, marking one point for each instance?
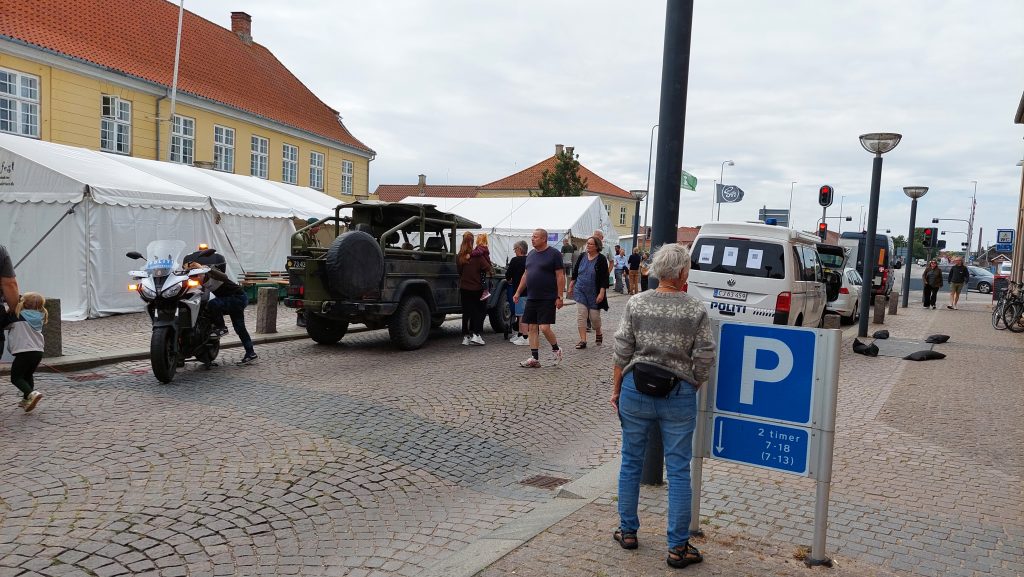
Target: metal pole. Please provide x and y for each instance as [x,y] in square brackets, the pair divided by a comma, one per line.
[841,200]
[970,225]
[672,116]
[636,223]
[174,78]
[910,253]
[647,199]
[789,215]
[868,269]
[714,199]
[823,476]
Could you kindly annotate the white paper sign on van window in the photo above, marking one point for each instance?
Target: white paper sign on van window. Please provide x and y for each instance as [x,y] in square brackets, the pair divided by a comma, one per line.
[754,258]
[730,255]
[707,252]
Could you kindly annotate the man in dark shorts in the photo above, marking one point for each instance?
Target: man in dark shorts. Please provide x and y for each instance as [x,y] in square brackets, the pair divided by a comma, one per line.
[544,281]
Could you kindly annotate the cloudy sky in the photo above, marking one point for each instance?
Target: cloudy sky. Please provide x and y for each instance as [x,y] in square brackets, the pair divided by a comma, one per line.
[469,91]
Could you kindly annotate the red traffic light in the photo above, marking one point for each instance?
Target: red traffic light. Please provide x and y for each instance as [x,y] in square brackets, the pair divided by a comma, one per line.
[929,237]
[825,195]
[822,231]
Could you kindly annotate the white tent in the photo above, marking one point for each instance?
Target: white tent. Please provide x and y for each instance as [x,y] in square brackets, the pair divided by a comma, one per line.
[510,219]
[85,209]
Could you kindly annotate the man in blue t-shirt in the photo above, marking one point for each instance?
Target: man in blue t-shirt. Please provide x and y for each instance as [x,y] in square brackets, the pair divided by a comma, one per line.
[544,281]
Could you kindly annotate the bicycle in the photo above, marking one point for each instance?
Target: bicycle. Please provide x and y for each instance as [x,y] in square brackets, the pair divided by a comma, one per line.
[1006,314]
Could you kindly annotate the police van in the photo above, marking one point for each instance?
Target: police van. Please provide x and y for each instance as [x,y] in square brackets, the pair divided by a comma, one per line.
[758,273]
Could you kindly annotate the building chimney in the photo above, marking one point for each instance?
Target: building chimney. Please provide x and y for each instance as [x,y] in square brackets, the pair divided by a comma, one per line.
[241,24]
[569,149]
[558,149]
[423,185]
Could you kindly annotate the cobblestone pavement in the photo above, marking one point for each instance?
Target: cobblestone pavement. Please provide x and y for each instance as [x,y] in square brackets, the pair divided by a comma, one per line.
[354,459]
[361,460]
[927,475]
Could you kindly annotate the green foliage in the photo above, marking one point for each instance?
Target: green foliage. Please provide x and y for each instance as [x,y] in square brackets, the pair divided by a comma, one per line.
[565,180]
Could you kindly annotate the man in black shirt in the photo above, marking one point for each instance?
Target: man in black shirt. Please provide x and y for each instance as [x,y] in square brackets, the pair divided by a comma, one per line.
[231,300]
[634,271]
[513,274]
[958,275]
[9,292]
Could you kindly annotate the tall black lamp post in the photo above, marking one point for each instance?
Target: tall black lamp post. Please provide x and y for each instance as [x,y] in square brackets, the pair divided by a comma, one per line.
[638,195]
[877,143]
[914,192]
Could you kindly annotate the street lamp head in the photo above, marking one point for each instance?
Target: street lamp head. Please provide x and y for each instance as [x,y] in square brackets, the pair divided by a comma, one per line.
[915,192]
[880,142]
[729,163]
[638,194]
[935,221]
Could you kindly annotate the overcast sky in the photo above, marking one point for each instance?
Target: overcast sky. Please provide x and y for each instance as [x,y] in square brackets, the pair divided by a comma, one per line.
[468,91]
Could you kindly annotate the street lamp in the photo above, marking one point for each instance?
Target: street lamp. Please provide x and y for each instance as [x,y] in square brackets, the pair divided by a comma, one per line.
[877,143]
[637,195]
[914,192]
[650,154]
[789,215]
[721,175]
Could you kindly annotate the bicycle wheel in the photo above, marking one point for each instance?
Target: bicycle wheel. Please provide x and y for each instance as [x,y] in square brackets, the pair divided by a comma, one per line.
[1012,317]
[997,315]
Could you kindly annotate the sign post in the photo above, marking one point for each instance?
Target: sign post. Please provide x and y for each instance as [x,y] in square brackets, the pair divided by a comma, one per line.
[771,403]
[1004,240]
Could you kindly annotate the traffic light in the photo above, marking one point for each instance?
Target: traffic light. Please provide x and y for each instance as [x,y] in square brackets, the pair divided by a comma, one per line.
[822,231]
[825,195]
[963,245]
[928,237]
[935,221]
[942,244]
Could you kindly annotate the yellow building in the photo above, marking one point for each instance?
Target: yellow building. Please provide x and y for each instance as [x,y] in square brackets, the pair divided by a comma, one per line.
[621,206]
[99,73]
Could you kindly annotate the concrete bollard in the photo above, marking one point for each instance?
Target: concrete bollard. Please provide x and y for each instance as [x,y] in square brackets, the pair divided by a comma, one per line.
[831,321]
[894,302]
[53,341]
[266,310]
[879,316]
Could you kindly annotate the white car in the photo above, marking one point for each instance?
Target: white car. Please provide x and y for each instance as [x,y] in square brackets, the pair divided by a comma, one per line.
[1004,269]
[847,304]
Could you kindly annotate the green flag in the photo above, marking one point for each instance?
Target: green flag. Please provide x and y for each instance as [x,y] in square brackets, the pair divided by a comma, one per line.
[688,181]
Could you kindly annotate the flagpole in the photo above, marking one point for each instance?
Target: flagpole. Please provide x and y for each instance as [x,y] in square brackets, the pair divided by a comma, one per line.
[714,200]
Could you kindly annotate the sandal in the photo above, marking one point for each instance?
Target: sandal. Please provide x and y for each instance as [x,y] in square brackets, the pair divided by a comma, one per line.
[598,339]
[581,345]
[626,540]
[683,555]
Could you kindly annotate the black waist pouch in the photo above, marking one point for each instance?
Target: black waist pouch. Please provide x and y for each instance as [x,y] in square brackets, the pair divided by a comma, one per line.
[653,380]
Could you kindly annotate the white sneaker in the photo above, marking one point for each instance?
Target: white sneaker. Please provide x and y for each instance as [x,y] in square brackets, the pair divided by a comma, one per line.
[530,363]
[556,356]
[476,340]
[30,402]
[520,341]
[465,341]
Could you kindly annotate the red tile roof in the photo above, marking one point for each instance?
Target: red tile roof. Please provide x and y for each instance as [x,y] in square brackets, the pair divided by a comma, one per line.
[527,180]
[396,192]
[687,234]
[137,38]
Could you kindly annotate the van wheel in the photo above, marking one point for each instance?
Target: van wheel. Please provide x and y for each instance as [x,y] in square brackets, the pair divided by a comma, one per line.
[409,327]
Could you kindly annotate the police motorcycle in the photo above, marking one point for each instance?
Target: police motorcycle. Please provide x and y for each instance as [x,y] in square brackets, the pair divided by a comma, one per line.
[176,302]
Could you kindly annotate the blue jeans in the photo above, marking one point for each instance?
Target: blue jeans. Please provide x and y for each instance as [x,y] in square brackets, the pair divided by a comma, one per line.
[234,306]
[676,415]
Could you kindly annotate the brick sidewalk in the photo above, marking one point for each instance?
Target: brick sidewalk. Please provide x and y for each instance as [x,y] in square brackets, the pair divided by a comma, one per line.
[927,476]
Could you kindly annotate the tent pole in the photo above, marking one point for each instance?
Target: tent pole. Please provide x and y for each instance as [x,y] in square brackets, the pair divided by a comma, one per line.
[40,241]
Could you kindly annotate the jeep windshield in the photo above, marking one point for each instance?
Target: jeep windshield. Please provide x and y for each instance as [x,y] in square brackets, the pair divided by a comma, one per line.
[739,256]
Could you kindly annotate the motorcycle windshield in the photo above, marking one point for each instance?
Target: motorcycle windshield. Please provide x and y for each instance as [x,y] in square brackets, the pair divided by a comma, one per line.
[164,257]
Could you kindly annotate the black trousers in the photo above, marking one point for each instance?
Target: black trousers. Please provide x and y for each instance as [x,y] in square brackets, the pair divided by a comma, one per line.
[22,370]
[472,312]
[930,294]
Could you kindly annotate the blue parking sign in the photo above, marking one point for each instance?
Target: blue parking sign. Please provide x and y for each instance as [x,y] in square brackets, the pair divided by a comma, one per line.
[766,371]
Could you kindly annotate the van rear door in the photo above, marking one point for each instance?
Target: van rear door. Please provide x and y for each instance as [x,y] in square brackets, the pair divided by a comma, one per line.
[738,278]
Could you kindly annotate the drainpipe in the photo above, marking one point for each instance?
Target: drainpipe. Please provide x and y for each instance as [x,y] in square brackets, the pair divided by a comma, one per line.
[158,99]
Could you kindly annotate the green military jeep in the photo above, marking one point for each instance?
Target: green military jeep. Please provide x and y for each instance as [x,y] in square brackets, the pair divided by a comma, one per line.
[392,265]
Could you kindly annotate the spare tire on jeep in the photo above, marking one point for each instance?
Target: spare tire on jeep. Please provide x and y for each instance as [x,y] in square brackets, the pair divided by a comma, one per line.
[355,265]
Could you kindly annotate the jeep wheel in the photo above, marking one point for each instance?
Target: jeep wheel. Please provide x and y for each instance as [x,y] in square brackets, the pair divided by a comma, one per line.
[324,330]
[354,265]
[410,325]
[500,316]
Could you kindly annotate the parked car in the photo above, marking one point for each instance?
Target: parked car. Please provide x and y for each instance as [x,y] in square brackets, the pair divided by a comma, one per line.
[847,304]
[758,273]
[1005,268]
[921,262]
[882,261]
[979,279]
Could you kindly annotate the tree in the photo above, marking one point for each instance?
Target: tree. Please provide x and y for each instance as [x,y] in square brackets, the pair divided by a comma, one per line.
[565,180]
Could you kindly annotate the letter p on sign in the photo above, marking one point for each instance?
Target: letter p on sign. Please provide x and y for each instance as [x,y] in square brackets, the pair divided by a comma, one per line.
[752,373]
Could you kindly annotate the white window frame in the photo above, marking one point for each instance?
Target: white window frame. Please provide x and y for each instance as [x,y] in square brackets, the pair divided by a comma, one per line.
[183,139]
[223,148]
[316,170]
[622,215]
[19,103]
[346,177]
[259,157]
[289,163]
[115,124]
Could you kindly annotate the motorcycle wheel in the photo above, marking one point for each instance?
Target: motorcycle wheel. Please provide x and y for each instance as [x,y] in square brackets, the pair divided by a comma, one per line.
[161,354]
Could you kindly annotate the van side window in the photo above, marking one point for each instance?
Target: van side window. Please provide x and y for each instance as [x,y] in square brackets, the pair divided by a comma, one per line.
[751,258]
[807,263]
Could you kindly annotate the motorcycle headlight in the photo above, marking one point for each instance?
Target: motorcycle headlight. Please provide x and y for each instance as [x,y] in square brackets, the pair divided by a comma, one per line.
[146,291]
[172,290]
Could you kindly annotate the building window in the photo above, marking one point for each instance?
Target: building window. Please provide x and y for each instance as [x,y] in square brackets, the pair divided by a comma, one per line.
[260,156]
[19,103]
[346,177]
[608,209]
[183,140]
[316,170]
[622,215]
[115,125]
[224,148]
[290,164]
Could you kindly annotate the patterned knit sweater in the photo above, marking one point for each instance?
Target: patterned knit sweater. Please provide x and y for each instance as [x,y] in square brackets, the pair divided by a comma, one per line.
[670,330]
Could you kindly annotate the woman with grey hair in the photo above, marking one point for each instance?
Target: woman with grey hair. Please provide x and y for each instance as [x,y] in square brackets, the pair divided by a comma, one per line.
[513,274]
[664,350]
